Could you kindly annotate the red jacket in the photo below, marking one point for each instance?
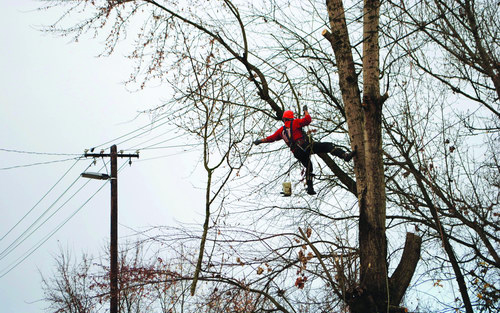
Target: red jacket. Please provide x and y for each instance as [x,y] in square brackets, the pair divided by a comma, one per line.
[296,135]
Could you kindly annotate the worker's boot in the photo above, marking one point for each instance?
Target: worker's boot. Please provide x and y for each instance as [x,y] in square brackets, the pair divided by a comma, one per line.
[347,156]
[310,188]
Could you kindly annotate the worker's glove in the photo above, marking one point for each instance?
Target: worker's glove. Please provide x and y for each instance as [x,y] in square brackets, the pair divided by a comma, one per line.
[305,108]
[257,142]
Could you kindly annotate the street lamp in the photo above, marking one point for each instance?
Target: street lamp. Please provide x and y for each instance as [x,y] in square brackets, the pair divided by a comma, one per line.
[93,175]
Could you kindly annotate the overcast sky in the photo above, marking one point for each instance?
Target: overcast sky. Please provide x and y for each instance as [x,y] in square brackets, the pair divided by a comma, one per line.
[56,97]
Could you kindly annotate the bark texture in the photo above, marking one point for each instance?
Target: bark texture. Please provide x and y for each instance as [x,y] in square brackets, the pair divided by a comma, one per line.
[364,120]
[403,274]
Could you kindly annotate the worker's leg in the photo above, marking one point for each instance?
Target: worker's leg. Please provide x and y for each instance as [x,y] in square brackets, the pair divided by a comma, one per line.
[328,147]
[304,158]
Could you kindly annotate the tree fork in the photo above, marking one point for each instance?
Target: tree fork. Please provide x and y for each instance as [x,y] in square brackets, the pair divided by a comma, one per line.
[401,278]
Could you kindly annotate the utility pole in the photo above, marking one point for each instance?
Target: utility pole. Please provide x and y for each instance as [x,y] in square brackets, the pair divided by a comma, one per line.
[113,249]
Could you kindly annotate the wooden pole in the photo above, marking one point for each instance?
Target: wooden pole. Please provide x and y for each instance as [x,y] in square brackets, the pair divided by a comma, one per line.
[113,273]
[113,247]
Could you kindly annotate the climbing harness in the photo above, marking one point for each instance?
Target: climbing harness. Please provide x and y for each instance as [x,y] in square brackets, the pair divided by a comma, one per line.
[293,144]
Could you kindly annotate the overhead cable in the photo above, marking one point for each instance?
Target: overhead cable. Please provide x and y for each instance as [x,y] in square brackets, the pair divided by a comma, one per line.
[30,251]
[43,197]
[38,163]
[39,153]
[21,238]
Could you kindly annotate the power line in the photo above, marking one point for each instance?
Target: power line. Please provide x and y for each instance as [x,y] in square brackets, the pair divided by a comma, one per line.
[136,130]
[152,147]
[138,146]
[38,153]
[142,133]
[24,235]
[153,138]
[46,238]
[80,155]
[166,155]
[30,251]
[43,197]
[38,163]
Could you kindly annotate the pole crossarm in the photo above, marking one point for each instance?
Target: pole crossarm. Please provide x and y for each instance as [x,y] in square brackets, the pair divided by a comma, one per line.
[108,155]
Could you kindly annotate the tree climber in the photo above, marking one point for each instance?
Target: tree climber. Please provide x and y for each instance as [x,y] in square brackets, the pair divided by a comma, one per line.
[302,148]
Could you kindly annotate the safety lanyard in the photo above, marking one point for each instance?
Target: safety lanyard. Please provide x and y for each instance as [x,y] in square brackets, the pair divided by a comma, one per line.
[292,142]
[290,137]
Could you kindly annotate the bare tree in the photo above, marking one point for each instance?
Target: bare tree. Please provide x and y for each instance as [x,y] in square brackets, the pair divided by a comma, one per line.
[466,35]
[69,289]
[147,283]
[444,149]
[235,67]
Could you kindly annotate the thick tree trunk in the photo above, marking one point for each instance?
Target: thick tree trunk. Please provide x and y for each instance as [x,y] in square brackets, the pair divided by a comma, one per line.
[372,240]
[364,120]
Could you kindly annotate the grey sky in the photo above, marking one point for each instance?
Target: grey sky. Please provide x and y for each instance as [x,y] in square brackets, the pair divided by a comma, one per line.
[57,97]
